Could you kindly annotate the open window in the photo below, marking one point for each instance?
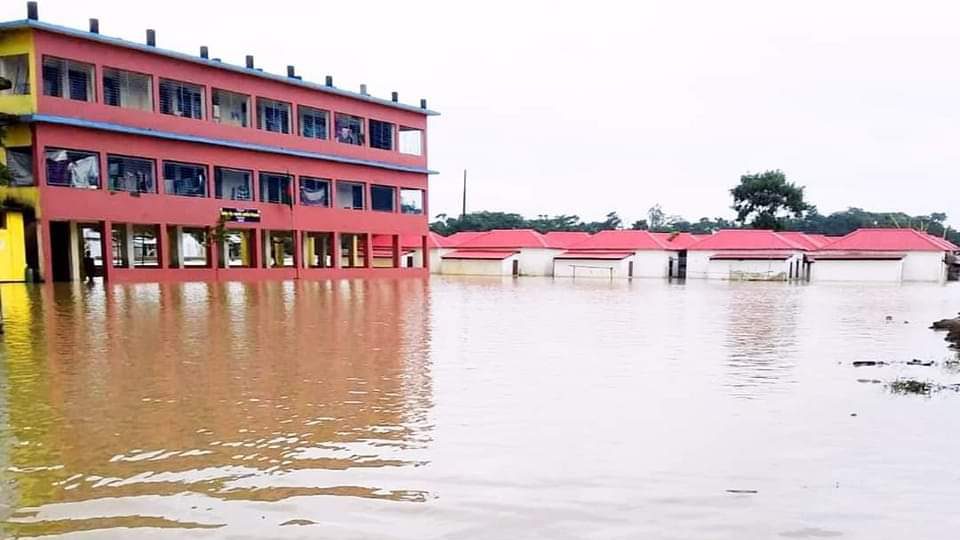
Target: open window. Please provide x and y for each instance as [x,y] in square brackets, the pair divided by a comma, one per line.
[118,246]
[16,69]
[20,165]
[273,115]
[383,198]
[233,184]
[237,249]
[313,122]
[381,135]
[314,191]
[411,201]
[67,79]
[353,250]
[181,99]
[146,244]
[131,174]
[184,179]
[411,141]
[349,128]
[279,249]
[275,188]
[72,168]
[127,89]
[230,108]
[350,195]
[318,249]
[193,247]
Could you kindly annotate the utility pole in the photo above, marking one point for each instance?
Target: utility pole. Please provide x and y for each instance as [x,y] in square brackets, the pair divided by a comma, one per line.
[464,212]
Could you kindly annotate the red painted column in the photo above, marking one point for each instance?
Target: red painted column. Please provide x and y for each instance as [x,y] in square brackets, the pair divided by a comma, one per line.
[46,251]
[106,248]
[396,251]
[297,251]
[368,250]
[164,247]
[425,250]
[335,250]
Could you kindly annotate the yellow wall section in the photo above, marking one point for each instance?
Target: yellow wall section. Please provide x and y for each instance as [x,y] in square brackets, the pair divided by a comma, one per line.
[20,42]
[13,255]
[28,196]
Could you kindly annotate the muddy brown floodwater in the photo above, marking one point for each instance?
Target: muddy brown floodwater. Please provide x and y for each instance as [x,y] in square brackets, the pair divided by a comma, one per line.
[476,409]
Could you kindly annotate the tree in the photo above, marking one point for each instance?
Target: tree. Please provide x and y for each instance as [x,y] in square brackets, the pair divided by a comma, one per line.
[656,218]
[640,225]
[767,199]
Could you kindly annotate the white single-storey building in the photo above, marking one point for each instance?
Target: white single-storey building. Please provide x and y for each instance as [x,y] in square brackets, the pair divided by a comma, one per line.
[746,254]
[883,255]
[522,252]
[618,254]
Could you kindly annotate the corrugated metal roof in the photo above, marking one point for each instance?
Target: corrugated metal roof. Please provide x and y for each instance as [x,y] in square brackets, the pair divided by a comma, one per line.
[586,255]
[506,238]
[761,255]
[677,240]
[627,240]
[480,255]
[856,256]
[745,239]
[808,241]
[118,42]
[886,240]
[458,238]
[565,239]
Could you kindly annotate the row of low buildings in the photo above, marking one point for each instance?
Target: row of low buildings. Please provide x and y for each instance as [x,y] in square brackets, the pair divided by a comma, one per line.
[870,255]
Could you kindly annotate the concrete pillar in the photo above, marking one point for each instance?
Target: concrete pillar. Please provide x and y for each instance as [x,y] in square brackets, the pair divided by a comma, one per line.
[75,254]
[397,249]
[163,249]
[425,253]
[44,251]
[368,250]
[335,252]
[298,253]
[129,244]
[106,249]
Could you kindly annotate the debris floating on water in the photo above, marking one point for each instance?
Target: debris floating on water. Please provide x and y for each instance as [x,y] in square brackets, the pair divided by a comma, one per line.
[743,491]
[868,363]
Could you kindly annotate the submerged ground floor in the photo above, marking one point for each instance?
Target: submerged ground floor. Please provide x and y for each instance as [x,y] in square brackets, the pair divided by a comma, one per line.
[132,252]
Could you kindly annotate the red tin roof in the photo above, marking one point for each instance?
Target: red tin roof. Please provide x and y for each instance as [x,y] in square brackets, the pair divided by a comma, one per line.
[856,256]
[745,239]
[808,241]
[595,254]
[764,255]
[456,239]
[408,241]
[565,239]
[628,240]
[482,255]
[886,240]
[677,240]
[506,238]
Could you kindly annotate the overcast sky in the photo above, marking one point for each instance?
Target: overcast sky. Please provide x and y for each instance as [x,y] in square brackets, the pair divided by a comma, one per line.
[596,106]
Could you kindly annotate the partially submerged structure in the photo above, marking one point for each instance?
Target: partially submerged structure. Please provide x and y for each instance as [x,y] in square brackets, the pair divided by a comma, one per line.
[502,252]
[884,255]
[747,254]
[617,254]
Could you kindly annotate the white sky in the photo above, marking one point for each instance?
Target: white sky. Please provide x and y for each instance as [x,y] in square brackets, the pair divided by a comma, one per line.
[590,107]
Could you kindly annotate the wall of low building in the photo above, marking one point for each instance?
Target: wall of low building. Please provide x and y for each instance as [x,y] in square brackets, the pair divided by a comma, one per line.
[537,261]
[925,266]
[436,257]
[592,268]
[699,266]
[652,264]
[13,254]
[478,267]
[857,270]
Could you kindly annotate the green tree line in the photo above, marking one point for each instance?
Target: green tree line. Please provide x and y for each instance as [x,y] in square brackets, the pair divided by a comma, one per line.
[765,200]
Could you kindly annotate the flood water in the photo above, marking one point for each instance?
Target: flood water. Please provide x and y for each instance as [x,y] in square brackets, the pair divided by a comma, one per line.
[476,408]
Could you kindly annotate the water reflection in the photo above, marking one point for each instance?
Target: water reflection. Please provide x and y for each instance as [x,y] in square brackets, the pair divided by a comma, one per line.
[257,392]
[474,408]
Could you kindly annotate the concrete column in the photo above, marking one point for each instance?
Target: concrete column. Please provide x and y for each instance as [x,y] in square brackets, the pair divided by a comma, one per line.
[335,252]
[425,253]
[106,248]
[368,250]
[297,249]
[128,248]
[397,248]
[163,249]
[75,254]
[44,251]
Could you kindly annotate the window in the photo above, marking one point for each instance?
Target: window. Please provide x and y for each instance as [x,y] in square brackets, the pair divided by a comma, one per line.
[381,135]
[67,79]
[184,179]
[237,252]
[411,141]
[181,99]
[382,198]
[20,165]
[353,250]
[273,115]
[313,122]
[318,249]
[350,195]
[131,174]
[145,244]
[230,108]
[16,69]
[279,249]
[127,89]
[411,201]
[275,188]
[193,246]
[349,129]
[118,245]
[73,168]
[232,184]
[314,191]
